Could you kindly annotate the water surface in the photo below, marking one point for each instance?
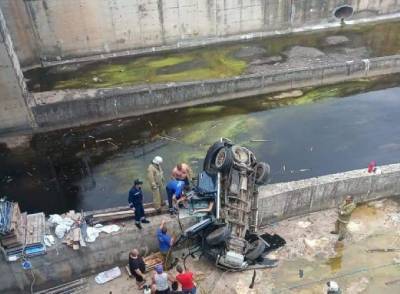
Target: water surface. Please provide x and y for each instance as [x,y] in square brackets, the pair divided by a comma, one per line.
[327,130]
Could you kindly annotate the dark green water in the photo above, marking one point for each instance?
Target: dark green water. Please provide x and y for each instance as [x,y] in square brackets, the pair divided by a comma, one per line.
[327,130]
[212,62]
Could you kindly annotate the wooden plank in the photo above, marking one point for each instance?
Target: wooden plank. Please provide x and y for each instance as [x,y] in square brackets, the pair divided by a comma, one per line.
[115,209]
[152,260]
[121,215]
[35,228]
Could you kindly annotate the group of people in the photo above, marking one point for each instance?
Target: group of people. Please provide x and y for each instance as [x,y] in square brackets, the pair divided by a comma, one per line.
[162,282]
[176,186]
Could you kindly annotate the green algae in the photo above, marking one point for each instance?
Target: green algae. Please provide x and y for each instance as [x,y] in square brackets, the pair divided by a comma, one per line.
[209,131]
[168,61]
[211,62]
[314,94]
[204,110]
[217,63]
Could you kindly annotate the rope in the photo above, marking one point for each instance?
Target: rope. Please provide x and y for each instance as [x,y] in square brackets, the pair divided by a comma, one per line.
[33,280]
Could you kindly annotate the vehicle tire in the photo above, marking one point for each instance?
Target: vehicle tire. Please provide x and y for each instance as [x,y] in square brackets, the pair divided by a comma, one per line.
[223,160]
[218,236]
[263,171]
[256,251]
[240,154]
[208,164]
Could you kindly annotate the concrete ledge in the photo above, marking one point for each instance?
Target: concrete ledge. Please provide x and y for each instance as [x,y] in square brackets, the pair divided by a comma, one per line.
[68,108]
[284,200]
[62,264]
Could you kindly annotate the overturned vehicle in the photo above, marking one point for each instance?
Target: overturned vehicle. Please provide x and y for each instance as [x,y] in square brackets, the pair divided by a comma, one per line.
[228,185]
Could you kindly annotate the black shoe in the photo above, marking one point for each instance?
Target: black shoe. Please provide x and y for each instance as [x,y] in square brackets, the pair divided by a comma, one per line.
[138,225]
[145,221]
[334,232]
[341,239]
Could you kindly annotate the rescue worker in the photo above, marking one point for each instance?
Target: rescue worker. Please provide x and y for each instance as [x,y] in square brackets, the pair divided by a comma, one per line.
[155,176]
[344,214]
[183,172]
[165,243]
[175,195]
[135,201]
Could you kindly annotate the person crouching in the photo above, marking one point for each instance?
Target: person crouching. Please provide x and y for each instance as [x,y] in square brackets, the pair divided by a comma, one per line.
[137,267]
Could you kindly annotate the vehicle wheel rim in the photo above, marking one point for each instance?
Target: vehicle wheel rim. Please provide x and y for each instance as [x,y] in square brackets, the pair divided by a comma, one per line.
[219,161]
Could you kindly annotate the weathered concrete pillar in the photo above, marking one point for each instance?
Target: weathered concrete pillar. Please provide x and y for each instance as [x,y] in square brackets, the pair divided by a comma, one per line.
[15,114]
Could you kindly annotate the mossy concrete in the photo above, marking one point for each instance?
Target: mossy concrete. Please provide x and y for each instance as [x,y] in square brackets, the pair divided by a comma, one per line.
[75,107]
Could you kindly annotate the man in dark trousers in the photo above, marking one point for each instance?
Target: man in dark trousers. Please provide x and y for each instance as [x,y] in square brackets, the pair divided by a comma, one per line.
[136,201]
[137,267]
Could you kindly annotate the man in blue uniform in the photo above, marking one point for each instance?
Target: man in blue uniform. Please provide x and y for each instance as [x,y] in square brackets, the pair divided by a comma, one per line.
[136,201]
[165,242]
[175,193]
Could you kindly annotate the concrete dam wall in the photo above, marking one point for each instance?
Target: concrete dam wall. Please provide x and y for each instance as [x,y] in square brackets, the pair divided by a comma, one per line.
[35,32]
[283,200]
[14,113]
[61,29]
[276,202]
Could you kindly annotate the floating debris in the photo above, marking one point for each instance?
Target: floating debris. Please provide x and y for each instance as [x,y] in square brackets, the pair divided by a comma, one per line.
[260,140]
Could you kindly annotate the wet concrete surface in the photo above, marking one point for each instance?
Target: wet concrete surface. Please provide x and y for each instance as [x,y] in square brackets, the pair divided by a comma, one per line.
[323,131]
[311,257]
[221,61]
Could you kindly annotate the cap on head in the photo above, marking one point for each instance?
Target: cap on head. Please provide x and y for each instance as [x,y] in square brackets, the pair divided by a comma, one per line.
[159,268]
[157,160]
[332,286]
[138,182]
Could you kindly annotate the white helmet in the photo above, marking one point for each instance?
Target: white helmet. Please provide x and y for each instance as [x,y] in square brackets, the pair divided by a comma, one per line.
[157,160]
[332,286]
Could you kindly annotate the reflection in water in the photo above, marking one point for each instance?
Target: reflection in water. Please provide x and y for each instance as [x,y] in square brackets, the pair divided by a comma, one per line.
[93,167]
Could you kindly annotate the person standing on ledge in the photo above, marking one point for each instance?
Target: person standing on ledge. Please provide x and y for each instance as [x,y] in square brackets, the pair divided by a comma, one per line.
[344,215]
[136,201]
[155,175]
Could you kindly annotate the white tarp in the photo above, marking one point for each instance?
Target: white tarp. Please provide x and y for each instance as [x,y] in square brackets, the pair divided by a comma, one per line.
[107,276]
[63,224]
[49,240]
[93,232]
